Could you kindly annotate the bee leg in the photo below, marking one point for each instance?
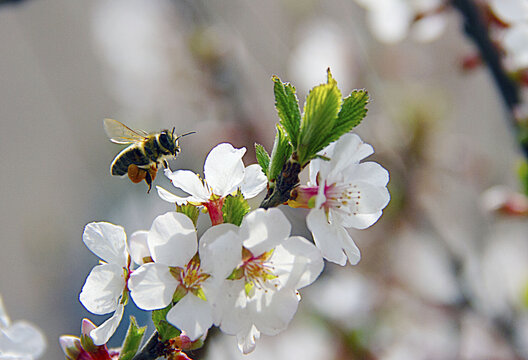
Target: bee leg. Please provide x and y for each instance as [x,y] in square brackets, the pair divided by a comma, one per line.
[150,176]
[165,164]
[148,180]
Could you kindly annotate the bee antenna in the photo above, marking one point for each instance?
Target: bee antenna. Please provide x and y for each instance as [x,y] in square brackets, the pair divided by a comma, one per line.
[174,128]
[189,133]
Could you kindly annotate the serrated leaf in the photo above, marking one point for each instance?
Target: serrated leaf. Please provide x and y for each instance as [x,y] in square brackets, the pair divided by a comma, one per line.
[132,340]
[263,158]
[288,109]
[320,114]
[282,151]
[165,330]
[190,210]
[235,208]
[354,109]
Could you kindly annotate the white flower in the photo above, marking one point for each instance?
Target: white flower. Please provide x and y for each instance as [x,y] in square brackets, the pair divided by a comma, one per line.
[105,288]
[343,193]
[514,38]
[172,241]
[261,295]
[20,340]
[224,174]
[391,20]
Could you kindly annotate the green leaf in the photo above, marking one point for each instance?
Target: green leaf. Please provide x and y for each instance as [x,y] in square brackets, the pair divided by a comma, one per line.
[354,109]
[288,108]
[282,151]
[132,340]
[262,158]
[165,330]
[320,114]
[235,208]
[190,210]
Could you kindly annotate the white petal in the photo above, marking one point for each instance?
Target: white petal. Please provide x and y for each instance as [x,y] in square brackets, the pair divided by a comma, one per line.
[192,315]
[103,286]
[371,198]
[510,11]
[429,28]
[361,221]
[326,236]
[108,241]
[104,332]
[516,44]
[172,239]
[369,171]
[152,286]
[22,338]
[229,308]
[390,23]
[254,181]
[297,262]
[348,150]
[170,197]
[138,246]
[247,339]
[190,183]
[224,169]
[275,314]
[220,250]
[262,230]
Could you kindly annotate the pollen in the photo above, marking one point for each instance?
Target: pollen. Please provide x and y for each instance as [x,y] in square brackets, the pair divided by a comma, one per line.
[191,277]
[258,271]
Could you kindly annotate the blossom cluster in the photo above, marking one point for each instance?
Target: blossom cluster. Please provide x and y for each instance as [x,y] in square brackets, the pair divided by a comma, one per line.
[243,279]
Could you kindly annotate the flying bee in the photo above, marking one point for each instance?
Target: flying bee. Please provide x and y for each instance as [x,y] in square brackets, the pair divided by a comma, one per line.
[144,153]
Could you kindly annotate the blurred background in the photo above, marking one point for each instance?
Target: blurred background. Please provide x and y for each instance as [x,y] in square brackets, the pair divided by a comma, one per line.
[441,277]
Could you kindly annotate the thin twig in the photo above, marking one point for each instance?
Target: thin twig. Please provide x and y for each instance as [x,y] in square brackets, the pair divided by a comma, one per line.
[476,29]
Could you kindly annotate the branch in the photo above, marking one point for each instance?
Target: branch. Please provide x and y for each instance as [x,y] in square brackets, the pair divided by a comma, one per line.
[476,29]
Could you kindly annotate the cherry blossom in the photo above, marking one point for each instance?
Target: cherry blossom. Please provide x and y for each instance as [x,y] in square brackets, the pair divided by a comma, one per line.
[105,288]
[20,340]
[224,174]
[177,273]
[261,294]
[342,193]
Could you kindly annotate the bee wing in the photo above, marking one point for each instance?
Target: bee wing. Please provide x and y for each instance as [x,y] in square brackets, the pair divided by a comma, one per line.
[119,133]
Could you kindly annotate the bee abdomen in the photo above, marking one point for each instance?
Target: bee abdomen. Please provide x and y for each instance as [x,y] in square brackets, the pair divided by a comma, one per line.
[128,156]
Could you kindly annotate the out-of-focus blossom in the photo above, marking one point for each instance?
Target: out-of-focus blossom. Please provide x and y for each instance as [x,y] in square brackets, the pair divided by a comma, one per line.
[321,44]
[504,269]
[83,348]
[224,174]
[172,241]
[391,20]
[345,298]
[343,193]
[261,295]
[514,13]
[105,289]
[430,273]
[20,340]
[504,200]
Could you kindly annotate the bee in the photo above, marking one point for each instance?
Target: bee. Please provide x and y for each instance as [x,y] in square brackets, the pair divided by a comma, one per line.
[144,153]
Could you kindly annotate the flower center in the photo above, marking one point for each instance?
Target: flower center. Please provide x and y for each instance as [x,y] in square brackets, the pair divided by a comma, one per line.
[191,277]
[258,271]
[340,196]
